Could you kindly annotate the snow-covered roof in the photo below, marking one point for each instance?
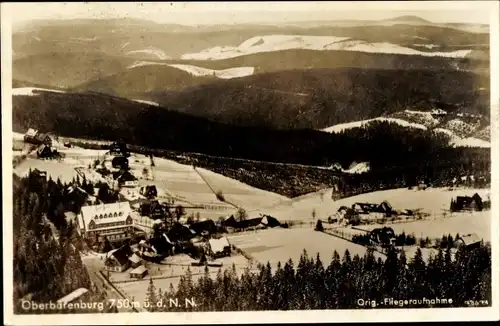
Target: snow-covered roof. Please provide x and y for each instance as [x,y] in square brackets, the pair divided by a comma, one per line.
[105,213]
[469,239]
[139,270]
[218,245]
[73,295]
[135,258]
[31,132]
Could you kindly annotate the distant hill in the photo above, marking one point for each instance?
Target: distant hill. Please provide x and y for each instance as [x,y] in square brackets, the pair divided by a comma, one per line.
[142,39]
[144,79]
[408,19]
[64,70]
[318,98]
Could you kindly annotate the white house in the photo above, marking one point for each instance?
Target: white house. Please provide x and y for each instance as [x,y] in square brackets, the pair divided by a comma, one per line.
[113,221]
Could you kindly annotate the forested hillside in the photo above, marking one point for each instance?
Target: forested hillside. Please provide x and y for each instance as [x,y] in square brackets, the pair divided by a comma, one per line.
[319,98]
[343,281]
[107,118]
[47,263]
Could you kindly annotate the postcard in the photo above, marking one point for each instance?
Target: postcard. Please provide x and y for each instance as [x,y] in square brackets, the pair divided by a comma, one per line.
[250,162]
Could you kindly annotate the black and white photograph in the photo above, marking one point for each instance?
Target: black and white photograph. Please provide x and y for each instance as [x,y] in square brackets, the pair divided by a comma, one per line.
[261,161]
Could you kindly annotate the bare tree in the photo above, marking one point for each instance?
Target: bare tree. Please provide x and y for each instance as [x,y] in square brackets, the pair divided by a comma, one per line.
[241,214]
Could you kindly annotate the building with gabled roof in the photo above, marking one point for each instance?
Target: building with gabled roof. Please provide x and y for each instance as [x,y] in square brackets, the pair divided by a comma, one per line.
[135,260]
[78,293]
[106,221]
[218,247]
[117,260]
[139,272]
[470,241]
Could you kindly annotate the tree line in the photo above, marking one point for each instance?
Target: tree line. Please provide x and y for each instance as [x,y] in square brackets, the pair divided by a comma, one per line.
[339,284]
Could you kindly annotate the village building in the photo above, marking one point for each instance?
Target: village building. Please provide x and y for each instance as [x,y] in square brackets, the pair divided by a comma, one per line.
[33,136]
[30,135]
[249,223]
[383,209]
[153,209]
[383,236]
[149,191]
[79,293]
[269,221]
[127,179]
[470,241]
[119,148]
[39,175]
[218,247]
[139,272]
[117,260]
[120,163]
[200,227]
[474,203]
[45,151]
[162,244]
[135,260]
[106,221]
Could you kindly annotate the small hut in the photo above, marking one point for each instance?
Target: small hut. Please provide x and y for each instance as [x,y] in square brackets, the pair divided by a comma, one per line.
[139,272]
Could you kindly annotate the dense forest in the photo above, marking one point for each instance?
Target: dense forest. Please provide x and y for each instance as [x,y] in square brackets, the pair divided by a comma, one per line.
[47,263]
[342,283]
[102,117]
[320,98]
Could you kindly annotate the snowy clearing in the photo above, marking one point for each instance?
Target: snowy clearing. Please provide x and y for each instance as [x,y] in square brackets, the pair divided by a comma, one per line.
[279,245]
[455,125]
[270,43]
[357,124]
[432,200]
[239,193]
[32,91]
[354,168]
[461,223]
[146,102]
[229,73]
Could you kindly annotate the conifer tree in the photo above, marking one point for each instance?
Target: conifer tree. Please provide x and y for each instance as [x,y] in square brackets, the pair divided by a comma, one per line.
[151,297]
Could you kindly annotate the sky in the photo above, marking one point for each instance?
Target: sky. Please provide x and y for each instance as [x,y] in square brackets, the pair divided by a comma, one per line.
[198,13]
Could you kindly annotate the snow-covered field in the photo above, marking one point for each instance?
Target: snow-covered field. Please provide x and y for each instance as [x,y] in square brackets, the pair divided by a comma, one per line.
[432,200]
[32,91]
[453,125]
[146,102]
[164,275]
[54,169]
[461,223]
[229,73]
[180,180]
[269,43]
[65,169]
[279,245]
[355,167]
[357,124]
[240,193]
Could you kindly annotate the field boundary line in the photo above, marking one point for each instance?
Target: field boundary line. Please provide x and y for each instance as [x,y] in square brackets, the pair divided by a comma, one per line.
[212,189]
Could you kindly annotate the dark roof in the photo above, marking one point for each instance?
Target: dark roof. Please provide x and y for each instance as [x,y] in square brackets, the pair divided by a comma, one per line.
[179,232]
[199,227]
[121,254]
[127,176]
[249,222]
[270,221]
[230,221]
